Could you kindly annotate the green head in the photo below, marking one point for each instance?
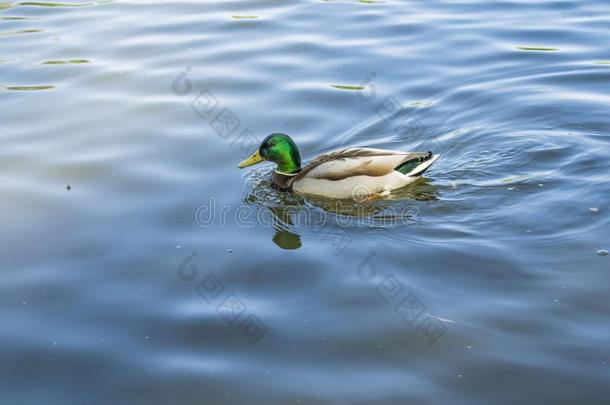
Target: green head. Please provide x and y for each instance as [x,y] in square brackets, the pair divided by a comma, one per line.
[280,149]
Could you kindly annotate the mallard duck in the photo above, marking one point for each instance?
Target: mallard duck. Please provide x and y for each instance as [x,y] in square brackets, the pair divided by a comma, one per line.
[347,173]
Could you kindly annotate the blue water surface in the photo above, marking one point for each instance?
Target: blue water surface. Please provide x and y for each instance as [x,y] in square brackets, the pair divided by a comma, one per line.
[140,266]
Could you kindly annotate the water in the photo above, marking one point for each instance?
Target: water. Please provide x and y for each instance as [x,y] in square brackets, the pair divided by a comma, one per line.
[141,266]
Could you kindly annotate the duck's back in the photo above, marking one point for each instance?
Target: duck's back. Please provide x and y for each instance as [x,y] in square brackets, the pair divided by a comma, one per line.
[344,173]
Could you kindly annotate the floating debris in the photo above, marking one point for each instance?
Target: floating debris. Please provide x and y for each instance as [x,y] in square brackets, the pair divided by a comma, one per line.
[593,209]
[347,87]
[535,48]
[68,187]
[49,4]
[229,251]
[30,31]
[66,62]
[602,62]
[9,18]
[27,88]
[244,17]
[602,252]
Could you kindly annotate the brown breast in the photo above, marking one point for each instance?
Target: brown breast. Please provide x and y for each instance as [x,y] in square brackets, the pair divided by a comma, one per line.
[282,182]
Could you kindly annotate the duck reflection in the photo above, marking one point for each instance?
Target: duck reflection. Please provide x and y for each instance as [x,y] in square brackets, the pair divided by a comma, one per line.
[282,220]
[289,212]
[282,207]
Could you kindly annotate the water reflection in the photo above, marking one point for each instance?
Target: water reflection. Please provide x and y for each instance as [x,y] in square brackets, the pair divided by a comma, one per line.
[293,215]
[283,237]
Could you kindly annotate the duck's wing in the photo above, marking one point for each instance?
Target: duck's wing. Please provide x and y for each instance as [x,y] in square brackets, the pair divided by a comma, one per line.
[345,163]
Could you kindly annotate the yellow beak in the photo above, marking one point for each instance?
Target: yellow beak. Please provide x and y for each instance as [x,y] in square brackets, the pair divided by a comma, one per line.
[252,160]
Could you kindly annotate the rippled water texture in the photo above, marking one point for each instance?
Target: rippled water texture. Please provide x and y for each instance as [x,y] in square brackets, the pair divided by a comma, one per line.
[139,265]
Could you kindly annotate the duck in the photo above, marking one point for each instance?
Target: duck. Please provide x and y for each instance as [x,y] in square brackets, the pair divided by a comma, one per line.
[352,173]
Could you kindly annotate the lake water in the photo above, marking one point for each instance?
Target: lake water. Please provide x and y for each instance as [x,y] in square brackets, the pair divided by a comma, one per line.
[139,265]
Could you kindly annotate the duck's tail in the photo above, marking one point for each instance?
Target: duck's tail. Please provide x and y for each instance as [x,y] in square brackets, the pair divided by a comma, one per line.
[417,165]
